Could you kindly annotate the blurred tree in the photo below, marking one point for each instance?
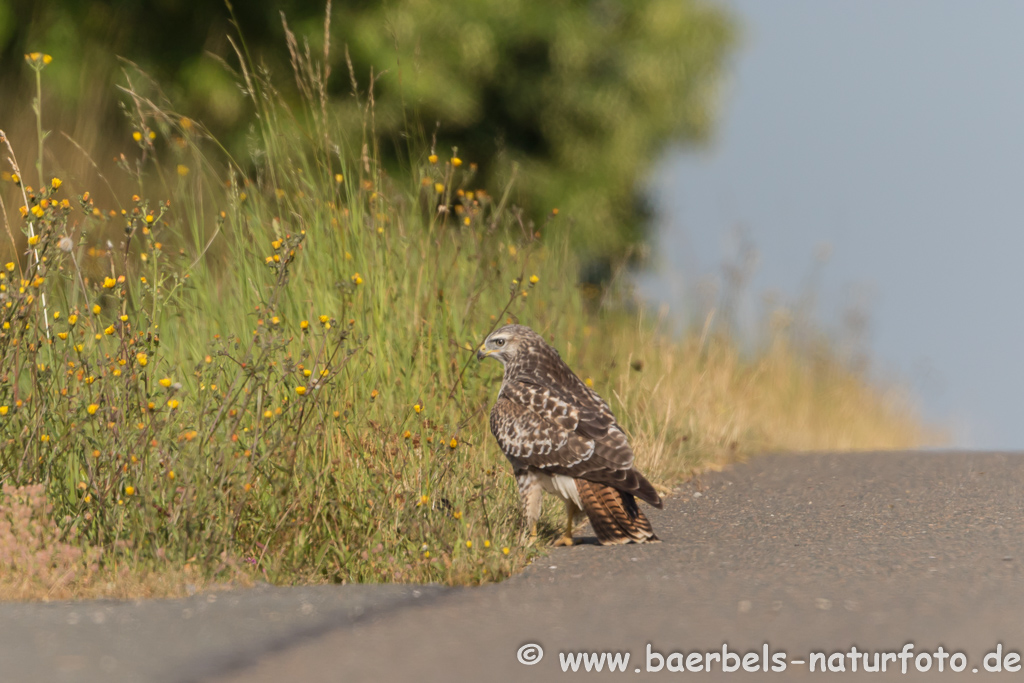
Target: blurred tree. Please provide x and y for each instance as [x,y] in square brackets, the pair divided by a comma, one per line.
[582,94]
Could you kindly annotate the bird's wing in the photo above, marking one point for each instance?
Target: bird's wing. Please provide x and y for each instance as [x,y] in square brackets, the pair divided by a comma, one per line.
[535,427]
[531,439]
[549,430]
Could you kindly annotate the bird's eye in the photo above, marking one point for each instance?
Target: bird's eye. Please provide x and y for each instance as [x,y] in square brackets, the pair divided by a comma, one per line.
[499,342]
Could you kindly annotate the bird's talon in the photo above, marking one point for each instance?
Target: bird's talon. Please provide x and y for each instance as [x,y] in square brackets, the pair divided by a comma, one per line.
[563,541]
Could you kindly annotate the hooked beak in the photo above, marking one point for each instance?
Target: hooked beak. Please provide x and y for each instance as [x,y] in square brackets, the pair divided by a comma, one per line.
[482,353]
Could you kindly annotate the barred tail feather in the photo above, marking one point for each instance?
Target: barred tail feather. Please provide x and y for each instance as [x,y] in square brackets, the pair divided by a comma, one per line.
[614,514]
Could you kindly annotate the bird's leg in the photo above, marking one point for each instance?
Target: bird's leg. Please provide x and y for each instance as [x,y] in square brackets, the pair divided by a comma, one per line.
[530,494]
[570,512]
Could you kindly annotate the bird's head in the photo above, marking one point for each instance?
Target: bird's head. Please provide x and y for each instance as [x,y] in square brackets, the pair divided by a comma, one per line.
[506,343]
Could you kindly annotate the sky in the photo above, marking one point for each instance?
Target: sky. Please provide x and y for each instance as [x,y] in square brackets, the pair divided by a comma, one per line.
[872,152]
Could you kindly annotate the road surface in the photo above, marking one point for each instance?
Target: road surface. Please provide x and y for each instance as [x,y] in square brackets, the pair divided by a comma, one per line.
[804,557]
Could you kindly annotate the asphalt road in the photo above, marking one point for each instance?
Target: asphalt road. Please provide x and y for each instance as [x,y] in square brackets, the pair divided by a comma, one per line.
[799,554]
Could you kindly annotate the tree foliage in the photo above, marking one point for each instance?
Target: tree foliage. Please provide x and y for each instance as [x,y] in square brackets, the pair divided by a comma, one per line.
[581,95]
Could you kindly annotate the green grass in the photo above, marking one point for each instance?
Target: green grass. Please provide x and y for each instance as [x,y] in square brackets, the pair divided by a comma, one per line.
[268,372]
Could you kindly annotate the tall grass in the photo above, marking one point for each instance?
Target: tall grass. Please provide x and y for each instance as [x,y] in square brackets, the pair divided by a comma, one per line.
[264,368]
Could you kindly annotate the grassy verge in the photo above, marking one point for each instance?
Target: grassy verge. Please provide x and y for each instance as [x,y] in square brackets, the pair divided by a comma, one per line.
[264,370]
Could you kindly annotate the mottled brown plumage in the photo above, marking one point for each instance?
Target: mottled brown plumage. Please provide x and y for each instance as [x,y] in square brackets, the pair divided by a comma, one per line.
[562,437]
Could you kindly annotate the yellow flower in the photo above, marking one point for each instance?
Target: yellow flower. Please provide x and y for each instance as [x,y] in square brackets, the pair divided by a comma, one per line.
[307,372]
[47,59]
[129,490]
[301,391]
[456,161]
[276,244]
[34,239]
[505,550]
[338,178]
[304,325]
[432,158]
[406,434]
[170,475]
[37,211]
[56,183]
[589,382]
[108,283]
[165,382]
[109,330]
[487,544]
[123,318]
[357,278]
[426,554]
[424,499]
[418,408]
[182,170]
[324,319]
[15,179]
[275,320]
[56,315]
[3,410]
[44,438]
[150,218]
[268,414]
[173,404]
[137,136]
[469,544]
[62,335]
[96,309]
[92,408]
[438,187]
[453,443]
[534,279]
[142,359]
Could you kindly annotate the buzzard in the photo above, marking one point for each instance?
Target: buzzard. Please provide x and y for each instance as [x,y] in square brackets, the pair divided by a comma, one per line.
[561,437]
